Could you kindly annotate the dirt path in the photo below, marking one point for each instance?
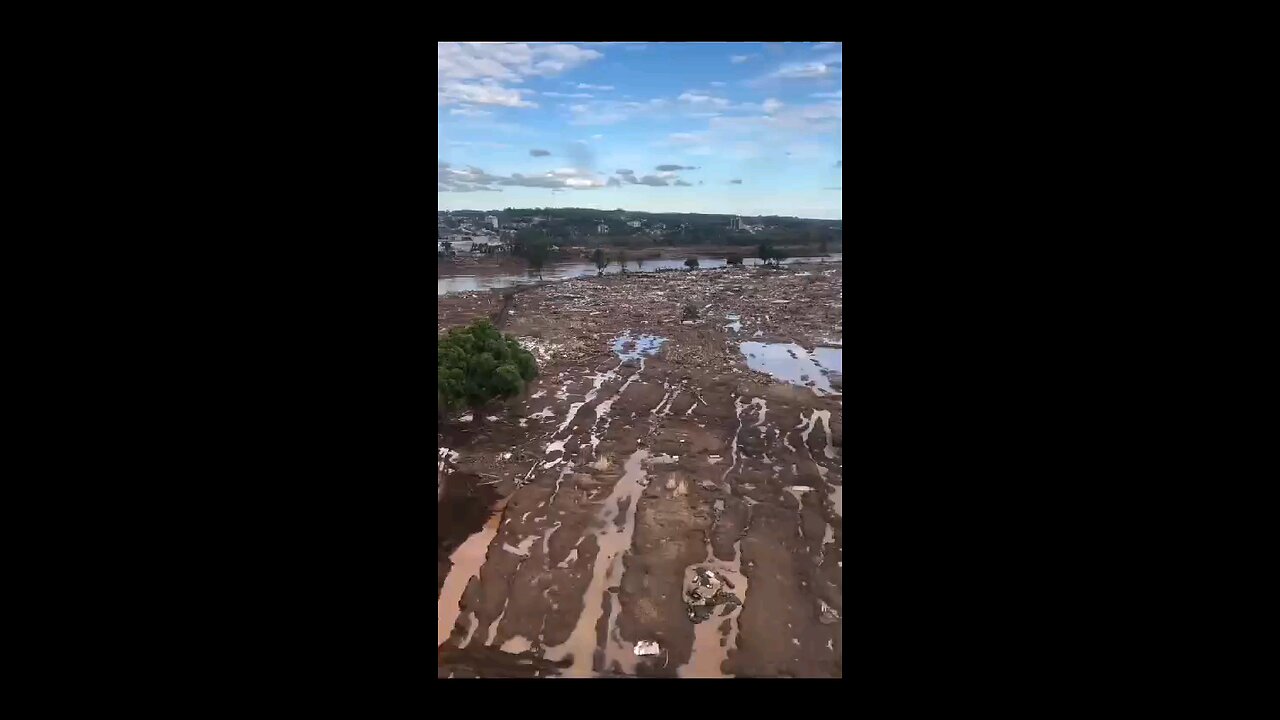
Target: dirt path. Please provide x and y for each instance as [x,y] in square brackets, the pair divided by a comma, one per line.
[645,451]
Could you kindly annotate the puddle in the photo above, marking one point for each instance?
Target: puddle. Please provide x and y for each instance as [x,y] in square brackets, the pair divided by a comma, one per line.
[710,646]
[797,492]
[809,423]
[516,645]
[466,560]
[522,549]
[831,358]
[627,347]
[791,363]
[614,539]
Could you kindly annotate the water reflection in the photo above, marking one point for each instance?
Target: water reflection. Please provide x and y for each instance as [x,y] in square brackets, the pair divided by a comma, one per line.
[791,363]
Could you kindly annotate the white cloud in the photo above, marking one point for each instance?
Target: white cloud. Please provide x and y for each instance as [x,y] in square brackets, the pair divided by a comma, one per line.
[473,179]
[735,59]
[584,86]
[567,95]
[470,112]
[608,112]
[826,46]
[699,99]
[837,94]
[460,66]
[597,137]
[803,70]
[486,94]
[771,105]
[716,83]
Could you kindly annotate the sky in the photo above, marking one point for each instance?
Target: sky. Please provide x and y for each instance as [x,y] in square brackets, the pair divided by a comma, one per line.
[735,128]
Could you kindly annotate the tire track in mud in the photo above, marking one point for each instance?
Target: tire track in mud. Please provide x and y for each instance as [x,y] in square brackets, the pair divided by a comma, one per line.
[614,540]
[617,517]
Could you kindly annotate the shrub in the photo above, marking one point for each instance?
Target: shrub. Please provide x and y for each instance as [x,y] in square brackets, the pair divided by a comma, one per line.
[769,255]
[536,253]
[476,365]
[690,312]
[691,263]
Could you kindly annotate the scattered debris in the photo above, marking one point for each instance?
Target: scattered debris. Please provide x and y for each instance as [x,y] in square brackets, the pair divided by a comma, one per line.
[826,613]
[704,589]
[646,647]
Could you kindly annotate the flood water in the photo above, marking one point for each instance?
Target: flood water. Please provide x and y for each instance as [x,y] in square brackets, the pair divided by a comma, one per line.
[791,363]
[571,269]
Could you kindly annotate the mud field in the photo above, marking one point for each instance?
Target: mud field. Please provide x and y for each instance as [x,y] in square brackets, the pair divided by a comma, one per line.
[665,500]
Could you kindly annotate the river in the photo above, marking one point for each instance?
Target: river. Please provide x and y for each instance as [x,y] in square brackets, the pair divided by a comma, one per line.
[574,268]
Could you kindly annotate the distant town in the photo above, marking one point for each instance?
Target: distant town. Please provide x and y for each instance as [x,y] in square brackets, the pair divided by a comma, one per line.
[496,231]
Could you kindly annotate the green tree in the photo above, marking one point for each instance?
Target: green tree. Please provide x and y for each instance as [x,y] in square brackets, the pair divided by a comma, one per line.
[600,260]
[526,239]
[536,253]
[691,263]
[765,252]
[476,365]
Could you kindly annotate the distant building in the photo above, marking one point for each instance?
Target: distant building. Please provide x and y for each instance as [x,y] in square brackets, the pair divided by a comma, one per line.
[634,223]
[492,220]
[602,229]
[735,223]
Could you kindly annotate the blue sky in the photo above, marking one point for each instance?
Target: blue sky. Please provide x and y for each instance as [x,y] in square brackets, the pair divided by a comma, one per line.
[743,128]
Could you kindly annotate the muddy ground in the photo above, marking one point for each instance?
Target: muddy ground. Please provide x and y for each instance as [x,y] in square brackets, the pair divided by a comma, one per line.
[573,517]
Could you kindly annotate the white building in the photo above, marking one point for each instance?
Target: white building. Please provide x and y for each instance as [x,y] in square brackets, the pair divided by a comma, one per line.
[602,229]
[634,223]
[735,223]
[492,220]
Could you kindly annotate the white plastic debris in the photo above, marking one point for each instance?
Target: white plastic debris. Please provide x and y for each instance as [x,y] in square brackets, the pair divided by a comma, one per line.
[645,647]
